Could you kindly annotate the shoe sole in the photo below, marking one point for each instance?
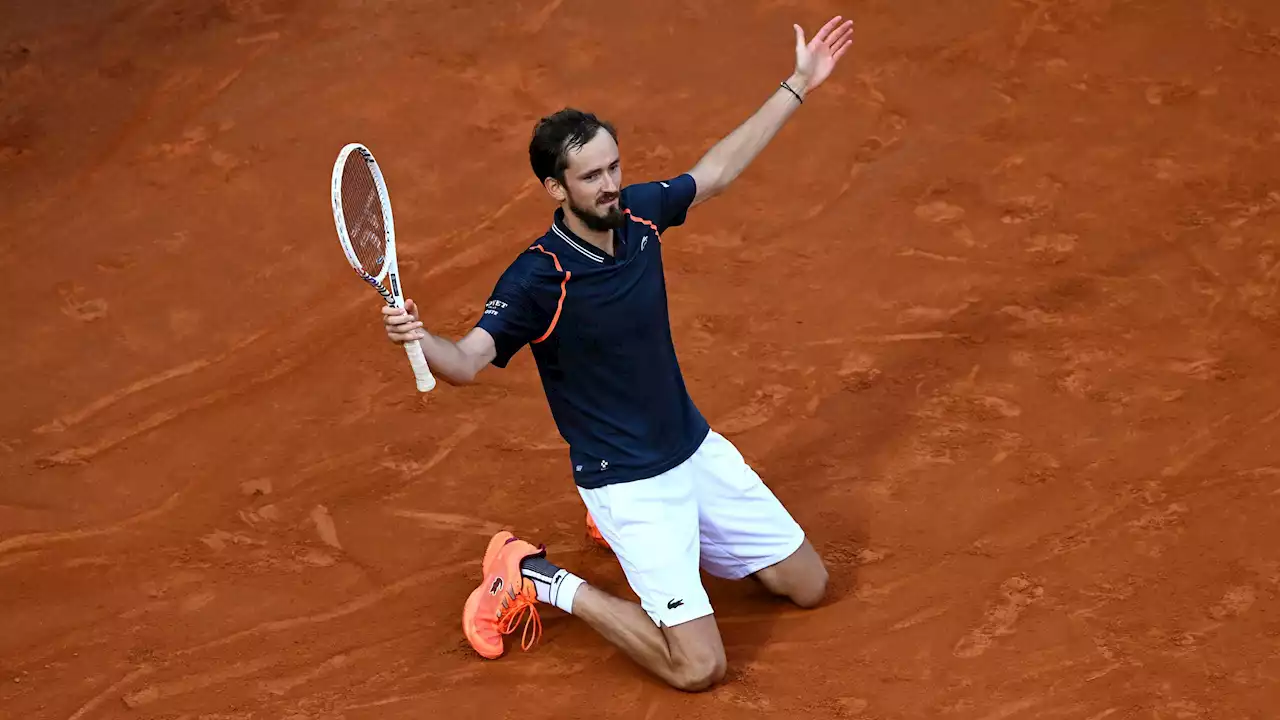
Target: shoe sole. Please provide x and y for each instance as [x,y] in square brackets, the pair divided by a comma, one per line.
[470,610]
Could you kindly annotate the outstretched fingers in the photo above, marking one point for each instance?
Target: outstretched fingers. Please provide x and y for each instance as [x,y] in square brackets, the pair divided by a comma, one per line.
[821,36]
[840,49]
[840,38]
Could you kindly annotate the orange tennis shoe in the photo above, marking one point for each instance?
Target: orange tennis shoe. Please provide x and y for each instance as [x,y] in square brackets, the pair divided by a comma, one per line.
[594,533]
[503,598]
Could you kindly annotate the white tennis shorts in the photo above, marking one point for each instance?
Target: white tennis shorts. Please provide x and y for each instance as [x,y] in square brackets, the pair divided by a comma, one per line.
[711,511]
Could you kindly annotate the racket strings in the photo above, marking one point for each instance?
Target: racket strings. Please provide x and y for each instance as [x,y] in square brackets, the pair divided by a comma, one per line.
[362,211]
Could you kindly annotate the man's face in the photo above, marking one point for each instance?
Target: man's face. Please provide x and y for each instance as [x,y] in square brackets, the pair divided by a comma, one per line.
[592,182]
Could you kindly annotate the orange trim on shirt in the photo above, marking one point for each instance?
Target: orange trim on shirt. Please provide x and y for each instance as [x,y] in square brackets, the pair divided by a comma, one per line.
[641,220]
[563,290]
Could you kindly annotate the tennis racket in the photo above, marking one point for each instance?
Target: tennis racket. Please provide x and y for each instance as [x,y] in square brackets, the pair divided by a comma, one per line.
[362,214]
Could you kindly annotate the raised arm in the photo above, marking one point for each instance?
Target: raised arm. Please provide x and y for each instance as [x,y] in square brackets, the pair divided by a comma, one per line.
[814,62]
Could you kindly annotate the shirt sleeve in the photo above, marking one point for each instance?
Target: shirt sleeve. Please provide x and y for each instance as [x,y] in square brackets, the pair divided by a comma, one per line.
[512,317]
[665,203]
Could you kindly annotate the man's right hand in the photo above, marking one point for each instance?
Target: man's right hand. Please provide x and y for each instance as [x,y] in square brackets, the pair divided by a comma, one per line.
[402,323]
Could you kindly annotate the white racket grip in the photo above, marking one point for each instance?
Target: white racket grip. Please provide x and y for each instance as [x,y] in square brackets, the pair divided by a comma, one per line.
[422,373]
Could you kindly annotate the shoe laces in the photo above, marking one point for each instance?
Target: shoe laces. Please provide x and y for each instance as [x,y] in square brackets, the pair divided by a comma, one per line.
[521,605]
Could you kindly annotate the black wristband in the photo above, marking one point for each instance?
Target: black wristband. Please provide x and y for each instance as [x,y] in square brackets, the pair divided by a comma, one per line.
[793,92]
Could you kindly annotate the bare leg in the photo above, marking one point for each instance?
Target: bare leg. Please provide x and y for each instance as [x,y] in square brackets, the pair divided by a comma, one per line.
[688,657]
[801,578]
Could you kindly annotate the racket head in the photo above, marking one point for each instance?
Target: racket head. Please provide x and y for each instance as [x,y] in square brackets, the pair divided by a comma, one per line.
[364,221]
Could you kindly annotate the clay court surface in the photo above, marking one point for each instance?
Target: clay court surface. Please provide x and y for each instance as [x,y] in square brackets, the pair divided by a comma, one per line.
[996,316]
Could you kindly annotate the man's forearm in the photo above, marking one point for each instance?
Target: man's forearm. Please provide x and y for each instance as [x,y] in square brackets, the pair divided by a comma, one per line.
[447,360]
[729,157]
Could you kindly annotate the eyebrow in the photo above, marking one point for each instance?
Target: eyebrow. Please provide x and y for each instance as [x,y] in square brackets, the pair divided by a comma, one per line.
[587,172]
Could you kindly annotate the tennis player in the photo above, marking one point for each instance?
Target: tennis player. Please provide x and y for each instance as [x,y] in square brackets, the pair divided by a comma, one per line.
[668,494]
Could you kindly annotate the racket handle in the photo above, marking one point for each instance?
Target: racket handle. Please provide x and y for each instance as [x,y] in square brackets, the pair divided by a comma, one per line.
[426,381]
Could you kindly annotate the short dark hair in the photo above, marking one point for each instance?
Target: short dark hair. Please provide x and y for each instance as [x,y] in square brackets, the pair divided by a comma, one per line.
[555,135]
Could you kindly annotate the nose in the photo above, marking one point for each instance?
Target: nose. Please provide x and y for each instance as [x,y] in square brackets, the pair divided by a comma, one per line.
[610,183]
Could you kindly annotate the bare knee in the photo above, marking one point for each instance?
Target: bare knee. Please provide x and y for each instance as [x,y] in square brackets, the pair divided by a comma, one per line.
[699,674]
[697,659]
[801,578]
[812,590]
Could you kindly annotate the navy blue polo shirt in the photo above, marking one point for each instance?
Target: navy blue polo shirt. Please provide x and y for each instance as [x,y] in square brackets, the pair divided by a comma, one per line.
[600,334]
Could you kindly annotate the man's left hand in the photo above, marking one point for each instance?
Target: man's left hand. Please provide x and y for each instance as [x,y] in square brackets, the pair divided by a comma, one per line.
[817,58]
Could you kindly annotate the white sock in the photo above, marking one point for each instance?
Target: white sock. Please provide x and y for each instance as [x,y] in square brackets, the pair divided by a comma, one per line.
[556,586]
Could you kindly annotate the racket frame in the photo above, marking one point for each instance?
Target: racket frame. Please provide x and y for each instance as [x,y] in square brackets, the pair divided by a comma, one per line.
[389,274]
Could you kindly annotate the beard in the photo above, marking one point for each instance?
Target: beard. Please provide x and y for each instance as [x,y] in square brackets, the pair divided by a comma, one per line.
[612,219]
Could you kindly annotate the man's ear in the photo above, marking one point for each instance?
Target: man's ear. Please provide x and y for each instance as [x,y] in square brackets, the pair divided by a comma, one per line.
[555,189]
